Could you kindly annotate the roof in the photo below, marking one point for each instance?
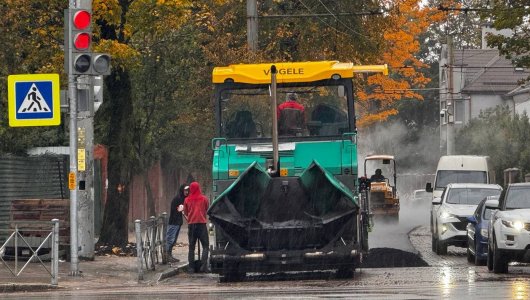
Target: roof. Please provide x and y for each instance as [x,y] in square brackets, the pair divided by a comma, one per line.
[485,70]
[291,72]
[379,157]
[520,90]
[473,185]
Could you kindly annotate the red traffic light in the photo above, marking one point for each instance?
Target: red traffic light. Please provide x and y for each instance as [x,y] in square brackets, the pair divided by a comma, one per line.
[81,19]
[82,41]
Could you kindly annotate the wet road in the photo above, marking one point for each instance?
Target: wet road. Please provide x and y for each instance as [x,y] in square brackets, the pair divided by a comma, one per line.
[448,277]
[463,282]
[393,235]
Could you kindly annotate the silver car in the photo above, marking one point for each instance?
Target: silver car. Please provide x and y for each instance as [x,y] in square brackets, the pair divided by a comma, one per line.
[450,212]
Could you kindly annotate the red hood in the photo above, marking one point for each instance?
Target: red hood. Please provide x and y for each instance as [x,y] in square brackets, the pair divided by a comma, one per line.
[195,189]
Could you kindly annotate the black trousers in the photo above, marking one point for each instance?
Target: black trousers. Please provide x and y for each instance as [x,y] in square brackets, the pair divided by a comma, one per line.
[198,232]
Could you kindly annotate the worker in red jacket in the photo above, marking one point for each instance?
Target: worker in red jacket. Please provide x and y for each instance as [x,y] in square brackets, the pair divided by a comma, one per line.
[195,208]
[291,117]
[292,102]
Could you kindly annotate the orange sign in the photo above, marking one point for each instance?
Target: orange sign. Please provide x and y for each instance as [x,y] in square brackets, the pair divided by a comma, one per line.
[71,181]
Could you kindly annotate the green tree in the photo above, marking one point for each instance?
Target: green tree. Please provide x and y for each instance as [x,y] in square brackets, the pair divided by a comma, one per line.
[140,93]
[512,15]
[31,37]
[499,134]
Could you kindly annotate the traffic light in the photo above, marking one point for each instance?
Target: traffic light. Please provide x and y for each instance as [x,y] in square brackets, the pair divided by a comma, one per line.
[100,64]
[77,41]
[79,59]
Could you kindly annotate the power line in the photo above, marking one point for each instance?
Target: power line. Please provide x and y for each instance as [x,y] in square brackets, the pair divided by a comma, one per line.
[338,20]
[481,67]
[441,7]
[315,15]
[323,21]
[413,89]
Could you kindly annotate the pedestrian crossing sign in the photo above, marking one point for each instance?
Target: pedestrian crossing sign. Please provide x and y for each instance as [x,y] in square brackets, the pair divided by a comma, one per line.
[34,100]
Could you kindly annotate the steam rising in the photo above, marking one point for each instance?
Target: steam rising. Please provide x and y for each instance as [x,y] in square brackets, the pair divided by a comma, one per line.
[416,153]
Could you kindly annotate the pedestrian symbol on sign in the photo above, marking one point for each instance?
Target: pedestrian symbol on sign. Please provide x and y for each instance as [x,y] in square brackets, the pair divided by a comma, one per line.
[33,102]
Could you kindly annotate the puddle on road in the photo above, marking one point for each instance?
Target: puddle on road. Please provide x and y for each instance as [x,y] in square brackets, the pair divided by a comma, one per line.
[520,290]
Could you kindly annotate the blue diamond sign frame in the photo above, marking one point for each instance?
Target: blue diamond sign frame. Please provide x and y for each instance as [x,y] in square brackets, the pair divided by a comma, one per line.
[34,100]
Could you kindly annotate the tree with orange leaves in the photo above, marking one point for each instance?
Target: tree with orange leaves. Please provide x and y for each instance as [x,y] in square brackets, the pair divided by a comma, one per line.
[406,21]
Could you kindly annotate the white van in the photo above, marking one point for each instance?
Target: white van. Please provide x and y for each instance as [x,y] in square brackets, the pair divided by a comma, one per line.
[460,169]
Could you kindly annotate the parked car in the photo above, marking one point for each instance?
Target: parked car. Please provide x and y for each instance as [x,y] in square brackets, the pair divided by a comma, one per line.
[509,230]
[477,231]
[449,213]
[421,196]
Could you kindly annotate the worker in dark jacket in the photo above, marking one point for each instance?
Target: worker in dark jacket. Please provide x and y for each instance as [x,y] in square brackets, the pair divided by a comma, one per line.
[378,176]
[195,208]
[175,221]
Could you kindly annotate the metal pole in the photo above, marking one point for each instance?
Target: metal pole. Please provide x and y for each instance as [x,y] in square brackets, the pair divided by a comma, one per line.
[72,95]
[164,238]
[275,155]
[138,230]
[450,102]
[85,197]
[252,24]
[152,243]
[55,251]
[16,248]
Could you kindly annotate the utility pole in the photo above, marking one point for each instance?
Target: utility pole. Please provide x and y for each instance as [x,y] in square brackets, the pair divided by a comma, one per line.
[252,25]
[450,100]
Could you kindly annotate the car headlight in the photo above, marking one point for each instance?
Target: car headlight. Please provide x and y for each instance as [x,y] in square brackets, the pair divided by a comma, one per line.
[484,232]
[446,215]
[517,225]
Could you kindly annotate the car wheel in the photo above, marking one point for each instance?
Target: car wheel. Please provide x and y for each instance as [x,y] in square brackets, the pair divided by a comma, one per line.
[470,256]
[490,259]
[441,247]
[500,264]
[478,261]
[345,272]
[232,274]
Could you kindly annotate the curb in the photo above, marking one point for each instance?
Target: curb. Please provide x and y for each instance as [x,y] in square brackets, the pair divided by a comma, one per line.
[171,272]
[17,287]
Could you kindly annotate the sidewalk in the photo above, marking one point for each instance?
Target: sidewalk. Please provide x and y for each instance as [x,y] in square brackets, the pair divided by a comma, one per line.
[104,271]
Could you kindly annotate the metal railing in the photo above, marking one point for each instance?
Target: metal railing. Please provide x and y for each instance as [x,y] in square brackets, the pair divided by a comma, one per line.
[17,240]
[150,243]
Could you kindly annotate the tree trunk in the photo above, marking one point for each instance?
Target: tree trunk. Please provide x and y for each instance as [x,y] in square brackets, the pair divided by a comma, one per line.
[114,230]
[149,192]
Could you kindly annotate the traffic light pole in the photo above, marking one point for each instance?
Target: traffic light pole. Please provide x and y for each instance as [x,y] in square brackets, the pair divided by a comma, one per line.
[74,259]
[72,95]
[85,196]
[81,64]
